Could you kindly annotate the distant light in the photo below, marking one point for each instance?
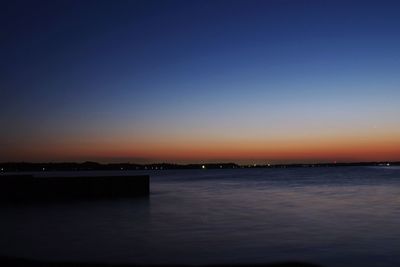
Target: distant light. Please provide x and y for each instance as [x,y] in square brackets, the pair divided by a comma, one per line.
[255,165]
[2,169]
[220,166]
[43,169]
[203,166]
[387,164]
[122,168]
[269,165]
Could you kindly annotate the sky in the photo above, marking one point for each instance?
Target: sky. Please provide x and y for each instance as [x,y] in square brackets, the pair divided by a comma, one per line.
[200,81]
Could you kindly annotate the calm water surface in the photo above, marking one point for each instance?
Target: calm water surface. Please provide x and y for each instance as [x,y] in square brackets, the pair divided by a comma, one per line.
[346,216]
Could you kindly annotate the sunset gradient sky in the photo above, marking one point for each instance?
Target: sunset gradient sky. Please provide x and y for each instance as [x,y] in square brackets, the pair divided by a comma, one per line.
[200,81]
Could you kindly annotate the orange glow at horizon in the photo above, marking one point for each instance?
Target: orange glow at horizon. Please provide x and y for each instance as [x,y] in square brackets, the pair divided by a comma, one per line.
[276,150]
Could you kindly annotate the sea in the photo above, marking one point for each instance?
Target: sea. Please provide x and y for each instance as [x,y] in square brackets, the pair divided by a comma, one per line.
[331,216]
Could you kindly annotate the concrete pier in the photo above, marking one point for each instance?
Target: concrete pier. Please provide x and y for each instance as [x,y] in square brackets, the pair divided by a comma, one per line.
[27,187]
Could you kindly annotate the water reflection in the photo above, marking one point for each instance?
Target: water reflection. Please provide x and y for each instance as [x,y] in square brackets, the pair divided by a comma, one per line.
[329,216]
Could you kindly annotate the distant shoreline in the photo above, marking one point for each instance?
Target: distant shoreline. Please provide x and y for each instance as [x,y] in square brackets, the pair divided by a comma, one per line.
[95,166]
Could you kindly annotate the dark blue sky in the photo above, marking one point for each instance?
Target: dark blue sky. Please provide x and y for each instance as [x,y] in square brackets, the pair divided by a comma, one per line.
[198,80]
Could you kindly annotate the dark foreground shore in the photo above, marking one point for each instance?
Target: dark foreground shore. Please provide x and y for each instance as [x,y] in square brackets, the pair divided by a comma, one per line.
[20,262]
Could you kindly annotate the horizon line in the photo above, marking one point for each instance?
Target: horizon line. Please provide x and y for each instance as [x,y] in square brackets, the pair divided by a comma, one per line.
[200,163]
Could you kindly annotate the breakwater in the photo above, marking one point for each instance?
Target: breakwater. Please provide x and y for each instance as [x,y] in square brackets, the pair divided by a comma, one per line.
[28,187]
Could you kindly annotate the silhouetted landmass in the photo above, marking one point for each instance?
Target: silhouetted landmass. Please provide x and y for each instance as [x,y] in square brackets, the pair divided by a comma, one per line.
[94,166]
[19,262]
